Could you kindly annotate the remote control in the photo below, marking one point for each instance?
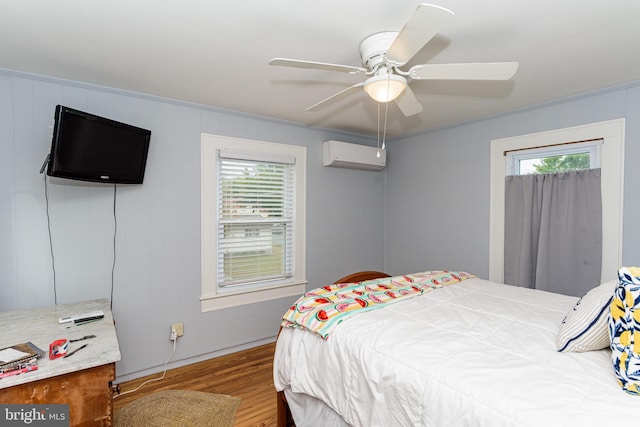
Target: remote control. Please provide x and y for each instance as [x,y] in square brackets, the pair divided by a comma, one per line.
[80,317]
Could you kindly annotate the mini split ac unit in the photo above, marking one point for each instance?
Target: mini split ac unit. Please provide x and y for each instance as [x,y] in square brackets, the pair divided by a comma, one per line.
[355,156]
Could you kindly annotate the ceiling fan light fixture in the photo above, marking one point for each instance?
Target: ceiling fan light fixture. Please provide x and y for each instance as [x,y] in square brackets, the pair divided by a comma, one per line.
[385,87]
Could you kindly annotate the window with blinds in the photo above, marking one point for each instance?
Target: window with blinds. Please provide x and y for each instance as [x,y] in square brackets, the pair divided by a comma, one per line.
[255,219]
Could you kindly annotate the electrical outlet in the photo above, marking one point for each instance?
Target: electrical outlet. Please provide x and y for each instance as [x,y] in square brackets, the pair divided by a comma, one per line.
[179,328]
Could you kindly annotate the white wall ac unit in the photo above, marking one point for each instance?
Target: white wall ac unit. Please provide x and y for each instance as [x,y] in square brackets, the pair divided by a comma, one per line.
[355,156]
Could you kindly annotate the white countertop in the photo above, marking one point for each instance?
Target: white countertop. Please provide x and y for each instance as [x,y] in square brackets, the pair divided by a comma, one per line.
[41,327]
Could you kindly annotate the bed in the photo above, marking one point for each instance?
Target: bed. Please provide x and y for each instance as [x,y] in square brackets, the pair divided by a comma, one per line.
[475,353]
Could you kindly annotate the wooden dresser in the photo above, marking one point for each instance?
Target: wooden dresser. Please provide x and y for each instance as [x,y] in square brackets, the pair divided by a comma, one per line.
[82,380]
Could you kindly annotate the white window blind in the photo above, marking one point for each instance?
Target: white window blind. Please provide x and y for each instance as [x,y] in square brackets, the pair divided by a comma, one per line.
[255,218]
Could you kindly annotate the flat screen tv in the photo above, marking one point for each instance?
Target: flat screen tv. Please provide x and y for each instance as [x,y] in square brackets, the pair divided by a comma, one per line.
[87,147]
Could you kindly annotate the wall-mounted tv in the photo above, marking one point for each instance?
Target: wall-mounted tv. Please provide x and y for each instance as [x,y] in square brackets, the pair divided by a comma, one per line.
[92,148]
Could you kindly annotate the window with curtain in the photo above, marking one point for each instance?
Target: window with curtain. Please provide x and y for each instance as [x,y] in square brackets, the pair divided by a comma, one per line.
[611,138]
[553,218]
[253,221]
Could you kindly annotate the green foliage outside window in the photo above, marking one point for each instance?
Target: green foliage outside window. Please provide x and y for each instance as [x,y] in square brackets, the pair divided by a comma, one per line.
[564,163]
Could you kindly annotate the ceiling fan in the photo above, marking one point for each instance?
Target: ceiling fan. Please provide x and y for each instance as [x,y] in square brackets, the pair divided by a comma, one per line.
[384,53]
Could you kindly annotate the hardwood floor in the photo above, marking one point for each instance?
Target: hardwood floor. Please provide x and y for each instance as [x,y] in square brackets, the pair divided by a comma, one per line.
[247,374]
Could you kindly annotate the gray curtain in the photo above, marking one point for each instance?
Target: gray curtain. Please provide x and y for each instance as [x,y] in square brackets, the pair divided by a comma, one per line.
[553,231]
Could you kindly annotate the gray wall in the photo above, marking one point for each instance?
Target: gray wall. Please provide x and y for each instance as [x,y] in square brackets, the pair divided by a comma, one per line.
[438,183]
[157,270]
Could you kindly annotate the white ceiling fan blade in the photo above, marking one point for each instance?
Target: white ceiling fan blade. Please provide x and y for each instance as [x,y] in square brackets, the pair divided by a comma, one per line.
[468,71]
[408,103]
[423,25]
[335,97]
[297,63]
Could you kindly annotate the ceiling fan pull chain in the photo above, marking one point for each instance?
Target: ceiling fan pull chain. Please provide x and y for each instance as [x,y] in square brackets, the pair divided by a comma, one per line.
[384,133]
[378,127]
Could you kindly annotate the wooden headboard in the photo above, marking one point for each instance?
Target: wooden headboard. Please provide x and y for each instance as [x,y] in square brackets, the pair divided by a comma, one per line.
[361,276]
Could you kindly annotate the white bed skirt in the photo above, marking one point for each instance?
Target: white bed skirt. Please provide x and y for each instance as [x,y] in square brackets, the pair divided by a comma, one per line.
[307,411]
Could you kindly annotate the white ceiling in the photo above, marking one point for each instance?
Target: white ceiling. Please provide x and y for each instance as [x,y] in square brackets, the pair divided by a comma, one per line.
[216,53]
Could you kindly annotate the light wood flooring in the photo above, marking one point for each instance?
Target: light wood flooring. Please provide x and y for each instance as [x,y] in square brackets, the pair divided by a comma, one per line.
[247,374]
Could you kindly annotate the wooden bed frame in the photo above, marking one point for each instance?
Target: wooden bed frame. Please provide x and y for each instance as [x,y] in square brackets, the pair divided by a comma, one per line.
[284,418]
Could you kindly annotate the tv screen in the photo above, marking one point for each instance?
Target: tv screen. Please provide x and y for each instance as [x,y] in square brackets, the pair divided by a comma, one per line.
[92,148]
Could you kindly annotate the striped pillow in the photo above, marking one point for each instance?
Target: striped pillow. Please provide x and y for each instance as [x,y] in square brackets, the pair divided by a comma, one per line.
[585,327]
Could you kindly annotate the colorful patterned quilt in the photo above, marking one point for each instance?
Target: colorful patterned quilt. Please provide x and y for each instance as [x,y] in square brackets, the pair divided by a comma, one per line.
[322,309]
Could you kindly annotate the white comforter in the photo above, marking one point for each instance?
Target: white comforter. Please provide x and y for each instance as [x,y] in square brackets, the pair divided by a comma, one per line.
[472,354]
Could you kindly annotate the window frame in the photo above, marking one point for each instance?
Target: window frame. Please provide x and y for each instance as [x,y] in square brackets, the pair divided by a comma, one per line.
[612,180]
[593,148]
[214,297]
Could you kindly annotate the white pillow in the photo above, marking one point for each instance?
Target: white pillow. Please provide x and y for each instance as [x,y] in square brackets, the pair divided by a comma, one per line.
[585,327]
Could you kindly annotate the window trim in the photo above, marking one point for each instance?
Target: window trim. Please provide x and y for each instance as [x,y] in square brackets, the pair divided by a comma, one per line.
[612,181]
[211,297]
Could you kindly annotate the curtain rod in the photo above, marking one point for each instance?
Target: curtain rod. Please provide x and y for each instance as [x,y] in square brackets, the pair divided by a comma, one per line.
[553,145]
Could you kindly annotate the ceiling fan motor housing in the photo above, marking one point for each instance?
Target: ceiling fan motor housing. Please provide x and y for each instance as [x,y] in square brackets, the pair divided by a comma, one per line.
[374,48]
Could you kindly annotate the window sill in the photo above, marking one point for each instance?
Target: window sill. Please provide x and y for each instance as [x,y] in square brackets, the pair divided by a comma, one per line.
[221,301]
